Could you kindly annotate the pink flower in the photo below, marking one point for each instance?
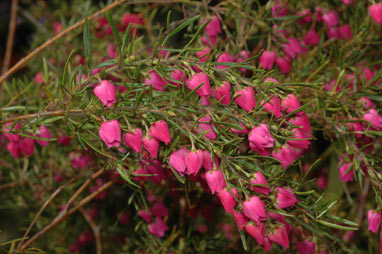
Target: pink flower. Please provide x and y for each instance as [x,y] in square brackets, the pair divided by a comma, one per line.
[273,106]
[26,146]
[57,26]
[374,219]
[245,98]
[259,183]
[105,91]
[204,125]
[134,140]
[123,218]
[254,209]
[111,50]
[14,149]
[344,32]
[7,132]
[155,81]
[151,145]
[332,33]
[224,58]
[261,139]
[300,139]
[203,54]
[311,38]
[160,131]
[194,162]
[159,209]
[280,236]
[306,17]
[240,219]
[110,133]
[209,40]
[64,140]
[242,130]
[267,59]
[374,119]
[145,215]
[38,78]
[305,247]
[43,132]
[285,198]
[215,180]
[356,127]
[158,228]
[346,171]
[278,10]
[367,102]
[134,19]
[178,75]
[257,231]
[375,11]
[283,64]
[228,201]
[301,120]
[177,160]
[286,155]
[223,93]
[213,28]
[331,18]
[207,161]
[244,55]
[290,103]
[292,48]
[200,79]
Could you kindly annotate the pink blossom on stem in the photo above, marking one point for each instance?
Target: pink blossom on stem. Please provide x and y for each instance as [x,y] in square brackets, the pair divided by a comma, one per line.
[133,139]
[205,125]
[375,11]
[159,209]
[311,38]
[155,80]
[160,131]
[305,247]
[215,180]
[344,32]
[273,106]
[158,228]
[227,199]
[286,155]
[346,171]
[145,215]
[259,183]
[223,93]
[43,132]
[254,209]
[284,64]
[213,28]
[240,219]
[331,18]
[245,98]
[151,145]
[194,162]
[177,160]
[374,219]
[374,119]
[285,198]
[257,231]
[105,91]
[261,139]
[110,133]
[267,59]
[280,236]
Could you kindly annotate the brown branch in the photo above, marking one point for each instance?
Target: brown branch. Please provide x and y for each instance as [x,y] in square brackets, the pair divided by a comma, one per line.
[49,42]
[13,184]
[95,229]
[11,36]
[47,202]
[62,216]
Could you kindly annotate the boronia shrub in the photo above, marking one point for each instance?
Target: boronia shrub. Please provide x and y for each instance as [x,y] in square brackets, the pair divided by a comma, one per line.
[195,127]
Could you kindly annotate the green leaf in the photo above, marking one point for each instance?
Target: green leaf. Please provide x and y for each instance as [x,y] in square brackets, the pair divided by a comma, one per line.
[86,38]
[332,225]
[179,28]
[243,240]
[341,220]
[125,39]
[64,74]
[125,176]
[113,28]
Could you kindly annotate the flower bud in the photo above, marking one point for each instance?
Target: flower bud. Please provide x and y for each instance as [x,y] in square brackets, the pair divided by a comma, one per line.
[7,132]
[261,139]
[254,209]
[346,171]
[286,155]
[374,119]
[257,231]
[213,28]
[283,64]
[259,178]
[215,180]
[245,98]
[194,162]
[158,228]
[159,209]
[43,133]
[177,160]
[151,145]
[110,133]
[155,81]
[204,124]
[223,93]
[375,11]
[267,59]
[280,236]
[311,38]
[160,131]
[198,79]
[374,219]
[145,215]
[240,219]
[228,201]
[105,91]
[26,146]
[285,198]
[134,140]
[290,103]
[273,106]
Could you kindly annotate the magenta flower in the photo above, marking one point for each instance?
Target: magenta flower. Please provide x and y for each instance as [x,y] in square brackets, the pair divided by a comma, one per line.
[300,139]
[240,219]
[156,81]
[207,161]
[273,106]
[194,162]
[301,120]
[292,48]
[331,18]
[110,133]
[178,75]
[159,209]
[43,132]
[344,32]
[215,180]
[14,149]
[280,236]
[177,160]
[374,119]
[224,58]
[285,198]
[158,228]
[26,146]
[198,79]
[286,155]
[105,91]
[205,125]
[160,131]
[374,219]
[375,11]
[257,231]
[134,140]
[346,171]
[367,102]
[267,59]
[254,209]
[227,199]
[290,103]
[283,64]
[223,93]
[261,139]
[311,38]
[242,130]
[213,28]
[305,247]
[245,98]
[145,215]
[259,183]
[7,132]
[151,145]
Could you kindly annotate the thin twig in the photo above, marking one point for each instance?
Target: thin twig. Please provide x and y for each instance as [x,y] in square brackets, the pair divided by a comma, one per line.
[11,36]
[13,184]
[62,216]
[47,202]
[95,229]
